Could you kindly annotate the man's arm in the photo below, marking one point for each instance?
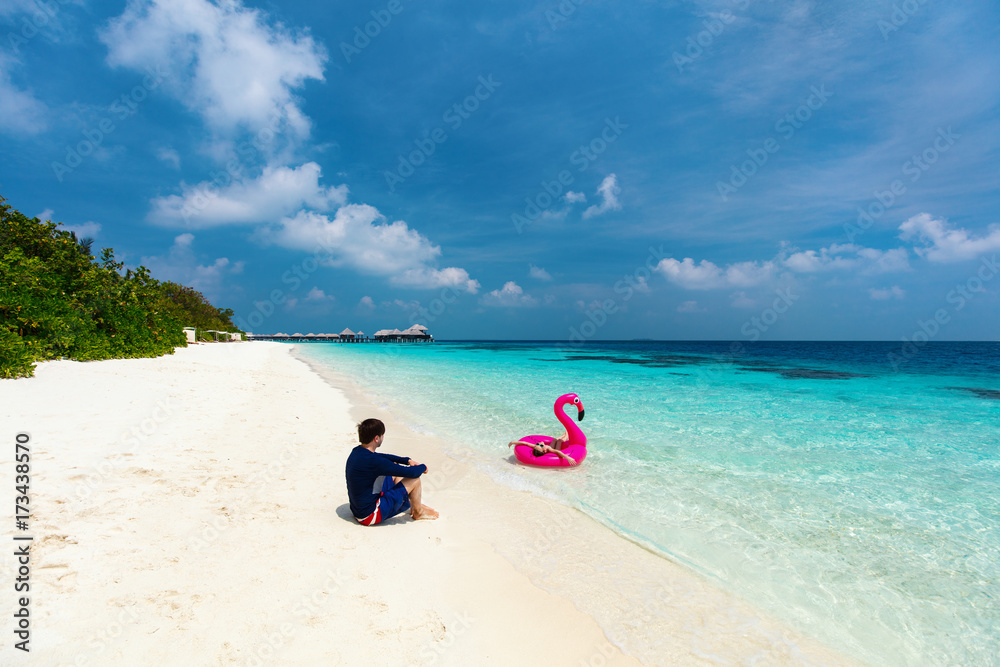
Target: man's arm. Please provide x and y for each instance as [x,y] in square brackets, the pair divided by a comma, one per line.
[386,466]
[402,460]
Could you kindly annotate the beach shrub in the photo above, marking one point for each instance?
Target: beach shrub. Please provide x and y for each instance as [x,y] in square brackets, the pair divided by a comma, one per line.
[15,359]
[130,311]
[190,306]
[57,300]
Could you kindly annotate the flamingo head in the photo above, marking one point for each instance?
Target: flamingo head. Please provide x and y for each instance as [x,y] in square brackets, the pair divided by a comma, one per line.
[572,399]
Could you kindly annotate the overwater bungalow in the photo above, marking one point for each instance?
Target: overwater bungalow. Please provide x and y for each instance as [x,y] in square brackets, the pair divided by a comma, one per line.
[415,333]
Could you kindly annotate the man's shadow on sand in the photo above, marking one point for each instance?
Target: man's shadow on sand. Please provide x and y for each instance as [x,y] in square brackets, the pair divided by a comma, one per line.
[344,512]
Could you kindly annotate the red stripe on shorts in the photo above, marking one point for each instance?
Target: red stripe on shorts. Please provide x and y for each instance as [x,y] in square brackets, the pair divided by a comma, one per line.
[375,517]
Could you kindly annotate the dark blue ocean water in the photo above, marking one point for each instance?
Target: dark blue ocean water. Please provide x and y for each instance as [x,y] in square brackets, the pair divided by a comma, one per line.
[848,488]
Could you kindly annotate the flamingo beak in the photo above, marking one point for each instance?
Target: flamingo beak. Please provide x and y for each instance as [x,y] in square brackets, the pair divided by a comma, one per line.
[579,417]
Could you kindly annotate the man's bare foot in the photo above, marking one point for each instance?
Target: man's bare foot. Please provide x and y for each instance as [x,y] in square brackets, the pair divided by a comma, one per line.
[424,512]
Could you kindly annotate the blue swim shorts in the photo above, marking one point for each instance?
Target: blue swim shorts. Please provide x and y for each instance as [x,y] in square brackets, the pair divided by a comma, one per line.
[393,500]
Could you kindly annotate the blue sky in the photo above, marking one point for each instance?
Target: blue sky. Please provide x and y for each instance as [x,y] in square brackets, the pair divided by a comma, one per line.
[735,170]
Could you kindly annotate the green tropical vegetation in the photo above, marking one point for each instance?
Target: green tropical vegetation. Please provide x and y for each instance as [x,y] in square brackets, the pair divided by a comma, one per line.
[58,301]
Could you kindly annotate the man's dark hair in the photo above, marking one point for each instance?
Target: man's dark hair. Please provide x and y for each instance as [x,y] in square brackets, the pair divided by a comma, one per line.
[368,429]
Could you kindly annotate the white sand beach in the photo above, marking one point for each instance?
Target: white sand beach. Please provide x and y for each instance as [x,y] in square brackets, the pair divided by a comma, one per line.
[191,510]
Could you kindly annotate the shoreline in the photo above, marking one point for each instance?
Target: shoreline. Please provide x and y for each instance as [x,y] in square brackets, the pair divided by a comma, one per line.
[647,604]
[198,500]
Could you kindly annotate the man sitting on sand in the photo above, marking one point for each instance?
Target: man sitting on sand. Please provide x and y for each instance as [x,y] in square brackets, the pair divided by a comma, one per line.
[382,485]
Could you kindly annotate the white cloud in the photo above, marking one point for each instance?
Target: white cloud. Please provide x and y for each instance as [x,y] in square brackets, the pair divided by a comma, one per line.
[706,275]
[688,307]
[558,214]
[277,192]
[826,259]
[847,256]
[358,238]
[538,273]
[366,303]
[316,294]
[430,278]
[686,273]
[21,112]
[180,265]
[509,296]
[89,229]
[885,261]
[609,192]
[894,292]
[411,307]
[749,274]
[554,213]
[945,243]
[225,61]
[169,156]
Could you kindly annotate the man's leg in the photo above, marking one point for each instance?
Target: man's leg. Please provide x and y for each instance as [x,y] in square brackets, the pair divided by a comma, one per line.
[413,489]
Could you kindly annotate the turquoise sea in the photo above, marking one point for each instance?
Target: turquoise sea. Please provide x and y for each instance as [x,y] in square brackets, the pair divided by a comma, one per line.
[856,499]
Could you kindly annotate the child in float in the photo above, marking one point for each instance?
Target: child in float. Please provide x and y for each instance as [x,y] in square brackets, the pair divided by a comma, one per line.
[553,447]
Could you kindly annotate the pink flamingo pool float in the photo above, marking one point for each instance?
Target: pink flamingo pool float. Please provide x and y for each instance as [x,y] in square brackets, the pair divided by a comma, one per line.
[576,441]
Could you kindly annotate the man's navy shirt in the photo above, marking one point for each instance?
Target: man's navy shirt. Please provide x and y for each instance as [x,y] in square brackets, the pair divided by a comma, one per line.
[365,472]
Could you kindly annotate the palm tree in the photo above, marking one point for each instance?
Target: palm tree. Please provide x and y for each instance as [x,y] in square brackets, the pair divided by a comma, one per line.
[85,244]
